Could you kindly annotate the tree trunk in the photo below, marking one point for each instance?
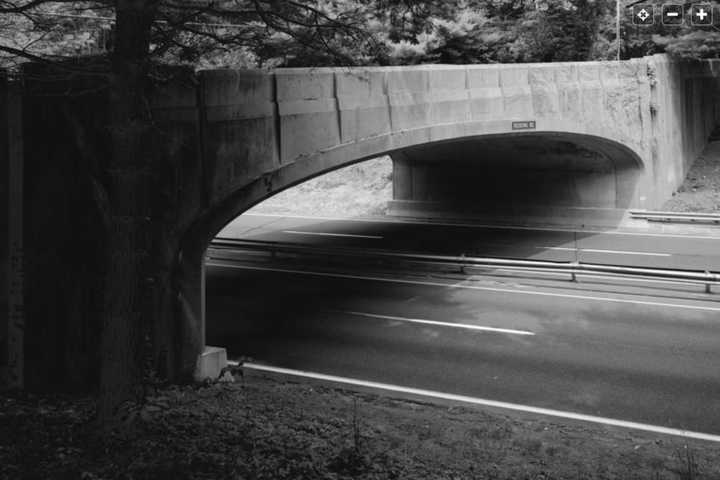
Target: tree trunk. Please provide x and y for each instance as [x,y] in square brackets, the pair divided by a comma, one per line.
[127,322]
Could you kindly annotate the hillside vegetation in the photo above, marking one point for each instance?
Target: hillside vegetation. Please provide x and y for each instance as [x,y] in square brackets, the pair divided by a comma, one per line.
[358,190]
[700,192]
[262,428]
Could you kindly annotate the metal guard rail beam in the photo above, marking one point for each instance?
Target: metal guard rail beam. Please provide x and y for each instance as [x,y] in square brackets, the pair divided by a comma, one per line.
[706,278]
[677,216]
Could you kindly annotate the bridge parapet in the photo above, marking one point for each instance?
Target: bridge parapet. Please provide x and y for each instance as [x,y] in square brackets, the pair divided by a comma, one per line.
[321,108]
[259,121]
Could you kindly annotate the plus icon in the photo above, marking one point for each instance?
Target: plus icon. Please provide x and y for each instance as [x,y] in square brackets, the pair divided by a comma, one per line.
[702,14]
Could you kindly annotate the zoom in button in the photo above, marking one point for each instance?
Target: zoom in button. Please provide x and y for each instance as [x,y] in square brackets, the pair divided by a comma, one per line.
[701,14]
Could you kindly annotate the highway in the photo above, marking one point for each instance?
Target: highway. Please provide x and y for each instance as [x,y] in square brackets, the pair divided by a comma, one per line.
[694,252]
[633,351]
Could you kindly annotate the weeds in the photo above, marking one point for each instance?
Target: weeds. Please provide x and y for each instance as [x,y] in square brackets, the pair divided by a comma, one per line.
[688,464]
[276,430]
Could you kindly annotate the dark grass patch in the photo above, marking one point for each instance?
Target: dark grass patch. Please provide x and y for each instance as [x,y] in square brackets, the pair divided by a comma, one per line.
[266,428]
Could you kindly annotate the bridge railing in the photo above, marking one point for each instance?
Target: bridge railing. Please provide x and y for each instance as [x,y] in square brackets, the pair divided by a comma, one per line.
[572,268]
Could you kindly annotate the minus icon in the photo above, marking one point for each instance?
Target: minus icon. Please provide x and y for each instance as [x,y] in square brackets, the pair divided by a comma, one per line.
[673,14]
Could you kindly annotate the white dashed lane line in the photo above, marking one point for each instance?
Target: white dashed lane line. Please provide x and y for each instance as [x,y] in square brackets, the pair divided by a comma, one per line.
[324,234]
[440,324]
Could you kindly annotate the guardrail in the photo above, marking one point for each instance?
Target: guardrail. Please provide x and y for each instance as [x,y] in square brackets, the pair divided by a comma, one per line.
[686,217]
[706,278]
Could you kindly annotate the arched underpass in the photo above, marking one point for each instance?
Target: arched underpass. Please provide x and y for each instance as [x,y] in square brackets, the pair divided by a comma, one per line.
[505,172]
[260,132]
[501,172]
[514,173]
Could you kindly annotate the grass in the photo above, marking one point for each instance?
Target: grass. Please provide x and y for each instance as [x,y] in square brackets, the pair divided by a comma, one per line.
[270,428]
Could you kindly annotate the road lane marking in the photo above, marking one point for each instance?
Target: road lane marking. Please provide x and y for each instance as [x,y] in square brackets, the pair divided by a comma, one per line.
[469,287]
[442,324]
[487,226]
[625,252]
[600,277]
[486,403]
[300,232]
[619,252]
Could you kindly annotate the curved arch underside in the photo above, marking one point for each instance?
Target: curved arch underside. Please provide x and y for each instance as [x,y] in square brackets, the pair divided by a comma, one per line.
[501,171]
[538,168]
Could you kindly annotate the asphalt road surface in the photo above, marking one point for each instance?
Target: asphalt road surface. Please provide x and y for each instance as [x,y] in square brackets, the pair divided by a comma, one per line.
[693,252]
[636,351]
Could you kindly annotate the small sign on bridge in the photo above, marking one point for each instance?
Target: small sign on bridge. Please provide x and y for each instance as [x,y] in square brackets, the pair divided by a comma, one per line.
[527,125]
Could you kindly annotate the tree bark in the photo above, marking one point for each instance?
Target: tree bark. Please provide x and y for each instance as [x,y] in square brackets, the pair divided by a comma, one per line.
[127,322]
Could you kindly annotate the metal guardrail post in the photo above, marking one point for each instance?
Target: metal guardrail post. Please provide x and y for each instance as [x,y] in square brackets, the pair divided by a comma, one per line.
[708,285]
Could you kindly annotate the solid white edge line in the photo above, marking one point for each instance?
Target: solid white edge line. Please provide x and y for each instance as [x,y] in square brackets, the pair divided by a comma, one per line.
[300,232]
[442,324]
[597,250]
[625,252]
[469,287]
[486,402]
[484,225]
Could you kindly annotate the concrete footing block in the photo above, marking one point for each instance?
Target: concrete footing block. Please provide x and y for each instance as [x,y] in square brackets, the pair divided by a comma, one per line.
[210,362]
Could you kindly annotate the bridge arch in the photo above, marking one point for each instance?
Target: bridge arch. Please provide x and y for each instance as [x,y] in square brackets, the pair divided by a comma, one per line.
[626,169]
[263,132]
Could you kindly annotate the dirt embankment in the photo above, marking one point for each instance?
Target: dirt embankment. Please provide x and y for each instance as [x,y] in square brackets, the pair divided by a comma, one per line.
[700,192]
[358,190]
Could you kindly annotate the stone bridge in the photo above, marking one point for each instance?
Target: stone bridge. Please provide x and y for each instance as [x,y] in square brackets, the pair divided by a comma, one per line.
[598,136]
[592,137]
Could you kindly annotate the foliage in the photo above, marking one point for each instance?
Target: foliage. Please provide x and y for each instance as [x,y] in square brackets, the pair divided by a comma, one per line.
[267,33]
[696,44]
[563,33]
[43,34]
